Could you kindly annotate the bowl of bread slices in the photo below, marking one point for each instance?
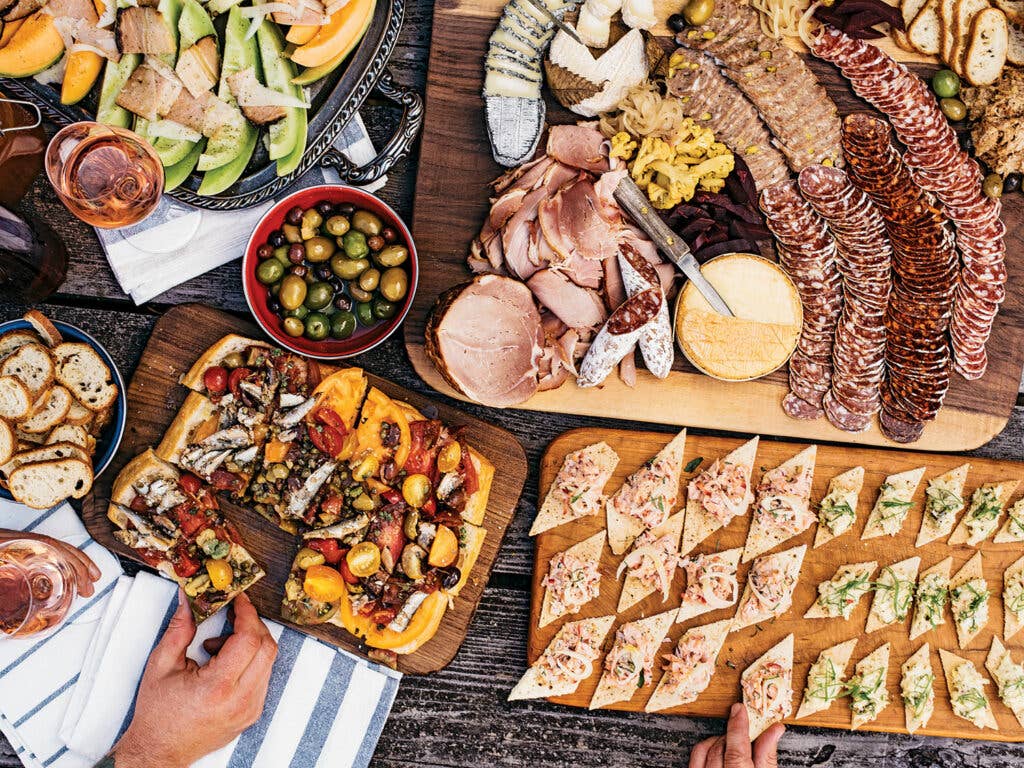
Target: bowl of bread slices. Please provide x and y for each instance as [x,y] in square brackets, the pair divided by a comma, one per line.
[62,410]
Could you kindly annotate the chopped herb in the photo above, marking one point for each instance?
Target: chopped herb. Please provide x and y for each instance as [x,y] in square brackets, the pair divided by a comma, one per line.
[901,592]
[941,502]
[576,497]
[828,686]
[971,701]
[640,680]
[839,597]
[919,694]
[693,463]
[863,690]
[896,504]
[659,503]
[730,664]
[833,513]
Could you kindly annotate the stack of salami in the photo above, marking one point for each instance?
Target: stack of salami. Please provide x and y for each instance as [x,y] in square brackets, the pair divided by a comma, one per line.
[864,261]
[940,166]
[807,251]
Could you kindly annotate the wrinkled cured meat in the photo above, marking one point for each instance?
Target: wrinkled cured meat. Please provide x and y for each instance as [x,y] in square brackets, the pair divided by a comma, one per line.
[575,306]
[485,338]
[618,336]
[656,338]
[580,146]
[590,234]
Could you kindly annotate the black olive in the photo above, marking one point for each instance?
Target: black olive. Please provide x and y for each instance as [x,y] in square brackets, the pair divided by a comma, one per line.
[1012,182]
[298,270]
[324,207]
[274,305]
[343,303]
[346,209]
[388,471]
[967,143]
[449,576]
[296,253]
[264,251]
[294,216]
[677,23]
[276,238]
[323,272]
[389,235]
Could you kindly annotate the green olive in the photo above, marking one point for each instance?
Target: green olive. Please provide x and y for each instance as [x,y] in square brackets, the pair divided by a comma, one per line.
[369,280]
[348,269]
[270,271]
[292,233]
[234,360]
[293,326]
[300,312]
[276,288]
[384,309]
[367,223]
[946,84]
[355,245]
[364,312]
[993,185]
[319,295]
[394,284]
[696,12]
[954,109]
[281,254]
[293,292]
[317,326]
[311,221]
[343,325]
[392,256]
[319,248]
[338,226]
[358,293]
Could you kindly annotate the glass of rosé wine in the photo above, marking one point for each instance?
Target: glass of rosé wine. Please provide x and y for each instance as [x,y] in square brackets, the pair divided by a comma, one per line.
[37,587]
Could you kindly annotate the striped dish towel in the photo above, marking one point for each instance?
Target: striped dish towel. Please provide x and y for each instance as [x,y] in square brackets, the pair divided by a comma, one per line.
[324,706]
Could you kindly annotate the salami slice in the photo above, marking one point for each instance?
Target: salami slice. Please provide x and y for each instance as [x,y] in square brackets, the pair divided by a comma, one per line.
[655,342]
[618,336]
[798,408]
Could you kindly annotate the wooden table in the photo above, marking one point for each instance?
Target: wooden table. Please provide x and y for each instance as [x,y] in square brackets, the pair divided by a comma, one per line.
[459,717]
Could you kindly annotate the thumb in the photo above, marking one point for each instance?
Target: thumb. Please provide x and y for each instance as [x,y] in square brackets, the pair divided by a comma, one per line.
[766,747]
[169,653]
[737,738]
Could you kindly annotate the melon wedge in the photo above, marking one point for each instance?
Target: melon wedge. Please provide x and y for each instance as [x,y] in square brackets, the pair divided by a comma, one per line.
[338,37]
[83,69]
[9,28]
[34,47]
[300,34]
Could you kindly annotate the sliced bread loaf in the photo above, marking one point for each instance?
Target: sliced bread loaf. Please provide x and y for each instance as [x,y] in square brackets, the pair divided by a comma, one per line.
[986,55]
[82,370]
[44,484]
[47,331]
[15,399]
[31,364]
[52,409]
[8,442]
[74,434]
[11,340]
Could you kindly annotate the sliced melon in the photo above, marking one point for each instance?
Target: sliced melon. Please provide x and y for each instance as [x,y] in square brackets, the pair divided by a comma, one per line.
[114,77]
[82,71]
[175,175]
[35,46]
[340,35]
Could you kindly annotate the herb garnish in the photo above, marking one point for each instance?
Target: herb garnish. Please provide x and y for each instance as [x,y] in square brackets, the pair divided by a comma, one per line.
[693,463]
[920,693]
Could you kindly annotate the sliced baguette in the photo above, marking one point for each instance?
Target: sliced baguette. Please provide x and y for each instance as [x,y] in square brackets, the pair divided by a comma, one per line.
[909,9]
[1014,10]
[8,442]
[947,21]
[31,364]
[43,453]
[100,421]
[82,370]
[47,331]
[1015,43]
[54,407]
[15,399]
[964,13]
[925,31]
[79,415]
[74,434]
[44,484]
[986,55]
[11,340]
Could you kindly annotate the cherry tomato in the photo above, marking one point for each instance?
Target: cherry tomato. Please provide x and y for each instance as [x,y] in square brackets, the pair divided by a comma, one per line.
[429,506]
[206,500]
[329,417]
[470,481]
[223,480]
[237,377]
[391,496]
[190,484]
[185,565]
[189,519]
[216,380]
[138,504]
[384,616]
[346,572]
[328,548]
[151,557]
[331,505]
[327,439]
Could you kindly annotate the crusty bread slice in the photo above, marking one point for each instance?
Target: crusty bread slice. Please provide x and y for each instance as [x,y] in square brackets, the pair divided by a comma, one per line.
[1015,44]
[47,331]
[15,399]
[82,370]
[947,23]
[11,340]
[80,415]
[925,31]
[55,405]
[909,10]
[986,55]
[8,442]
[964,12]
[45,484]
[31,364]
[215,355]
[1014,10]
[74,434]
[43,453]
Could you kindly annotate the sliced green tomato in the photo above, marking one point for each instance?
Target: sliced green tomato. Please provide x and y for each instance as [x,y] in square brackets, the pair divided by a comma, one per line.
[115,75]
[194,23]
[175,175]
[278,71]
[216,181]
[223,147]
[291,161]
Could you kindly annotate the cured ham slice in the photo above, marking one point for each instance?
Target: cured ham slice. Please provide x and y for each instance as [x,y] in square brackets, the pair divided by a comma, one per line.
[575,306]
[580,146]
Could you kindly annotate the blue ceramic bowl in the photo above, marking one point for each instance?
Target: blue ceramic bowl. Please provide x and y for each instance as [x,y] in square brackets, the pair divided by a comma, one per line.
[110,439]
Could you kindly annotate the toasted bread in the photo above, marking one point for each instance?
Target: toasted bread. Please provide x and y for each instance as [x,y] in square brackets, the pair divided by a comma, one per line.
[46,330]
[835,660]
[43,453]
[1015,44]
[31,364]
[909,10]
[986,55]
[1014,10]
[781,654]
[964,12]
[50,411]
[80,415]
[948,24]
[699,524]
[925,31]
[72,433]
[11,340]
[44,484]
[916,719]
[80,368]
[15,399]
[589,550]
[8,442]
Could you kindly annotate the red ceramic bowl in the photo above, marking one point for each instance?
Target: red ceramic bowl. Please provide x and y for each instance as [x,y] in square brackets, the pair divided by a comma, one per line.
[256,293]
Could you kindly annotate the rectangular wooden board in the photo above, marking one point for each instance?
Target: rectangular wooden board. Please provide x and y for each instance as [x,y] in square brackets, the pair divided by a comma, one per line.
[452,192]
[154,397]
[812,635]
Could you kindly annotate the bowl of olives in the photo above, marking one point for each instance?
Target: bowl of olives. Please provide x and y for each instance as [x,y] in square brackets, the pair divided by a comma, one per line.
[330,272]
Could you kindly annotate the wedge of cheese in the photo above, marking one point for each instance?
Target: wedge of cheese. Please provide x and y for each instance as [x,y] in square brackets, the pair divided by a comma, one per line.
[782,508]
[573,566]
[943,501]
[968,600]
[894,594]
[732,471]
[867,688]
[895,498]
[837,511]
[1013,599]
[917,689]
[651,563]
[930,598]
[1008,676]
[838,597]
[825,678]
[966,689]
[985,513]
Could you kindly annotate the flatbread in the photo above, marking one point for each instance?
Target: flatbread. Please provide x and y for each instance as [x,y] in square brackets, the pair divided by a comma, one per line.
[789,562]
[1002,491]
[194,411]
[844,488]
[610,691]
[692,609]
[215,355]
[588,550]
[839,656]
[949,485]
[919,624]
[532,686]
[567,499]
[1013,529]
[877,659]
[714,635]
[623,527]
[905,570]
[699,524]
[843,574]
[972,569]
[633,589]
[998,662]
[913,720]
[1011,624]
[895,499]
[782,654]
[764,535]
[950,662]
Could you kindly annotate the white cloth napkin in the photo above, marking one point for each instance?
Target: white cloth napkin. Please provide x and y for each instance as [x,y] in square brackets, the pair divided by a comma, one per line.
[178,242]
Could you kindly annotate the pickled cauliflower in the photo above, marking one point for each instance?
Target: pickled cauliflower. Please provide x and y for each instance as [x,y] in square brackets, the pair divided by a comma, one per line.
[671,171]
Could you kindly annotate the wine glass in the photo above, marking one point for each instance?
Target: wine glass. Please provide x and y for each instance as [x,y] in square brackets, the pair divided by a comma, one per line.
[37,587]
[108,177]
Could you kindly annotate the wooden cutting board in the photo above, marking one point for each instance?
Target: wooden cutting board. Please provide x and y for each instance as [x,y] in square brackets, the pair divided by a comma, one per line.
[452,192]
[812,635]
[154,397]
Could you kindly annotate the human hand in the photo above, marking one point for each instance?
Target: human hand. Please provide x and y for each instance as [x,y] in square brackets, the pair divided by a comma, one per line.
[226,694]
[85,569]
[734,750]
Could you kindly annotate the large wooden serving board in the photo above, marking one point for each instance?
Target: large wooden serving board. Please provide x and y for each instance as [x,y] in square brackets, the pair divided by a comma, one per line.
[452,192]
[154,397]
[812,635]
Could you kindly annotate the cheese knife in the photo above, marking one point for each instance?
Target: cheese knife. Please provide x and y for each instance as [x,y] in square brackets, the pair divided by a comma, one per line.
[636,204]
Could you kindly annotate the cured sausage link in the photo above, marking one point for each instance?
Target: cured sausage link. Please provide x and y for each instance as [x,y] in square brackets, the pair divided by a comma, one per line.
[619,335]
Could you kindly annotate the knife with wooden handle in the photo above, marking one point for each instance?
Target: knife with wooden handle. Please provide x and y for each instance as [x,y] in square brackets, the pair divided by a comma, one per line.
[636,204]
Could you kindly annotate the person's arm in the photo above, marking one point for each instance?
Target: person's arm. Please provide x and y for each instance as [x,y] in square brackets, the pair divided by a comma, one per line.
[85,569]
[734,750]
[184,711]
